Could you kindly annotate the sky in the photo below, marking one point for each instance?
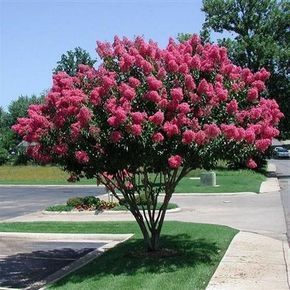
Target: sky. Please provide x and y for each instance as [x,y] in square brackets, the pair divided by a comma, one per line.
[34,34]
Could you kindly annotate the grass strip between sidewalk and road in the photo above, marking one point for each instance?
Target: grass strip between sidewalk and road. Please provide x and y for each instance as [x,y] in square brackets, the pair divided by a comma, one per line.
[197,251]
[228,180]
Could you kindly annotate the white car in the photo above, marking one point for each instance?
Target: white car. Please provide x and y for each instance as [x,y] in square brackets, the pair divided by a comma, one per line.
[281,152]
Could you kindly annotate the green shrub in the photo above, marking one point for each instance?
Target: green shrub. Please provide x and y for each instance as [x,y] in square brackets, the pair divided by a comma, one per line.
[60,207]
[75,201]
[21,158]
[3,156]
[91,201]
[142,199]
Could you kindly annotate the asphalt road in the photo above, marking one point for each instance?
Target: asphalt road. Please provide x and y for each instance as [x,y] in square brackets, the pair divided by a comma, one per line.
[18,201]
[283,174]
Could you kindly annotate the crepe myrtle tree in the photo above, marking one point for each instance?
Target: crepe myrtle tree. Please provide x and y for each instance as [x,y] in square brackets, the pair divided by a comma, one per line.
[148,116]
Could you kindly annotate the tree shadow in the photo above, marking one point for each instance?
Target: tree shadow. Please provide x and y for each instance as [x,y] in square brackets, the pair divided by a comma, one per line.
[130,258]
[23,269]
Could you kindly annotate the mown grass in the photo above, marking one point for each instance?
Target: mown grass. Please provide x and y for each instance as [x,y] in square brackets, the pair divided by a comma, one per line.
[198,250]
[228,180]
[35,175]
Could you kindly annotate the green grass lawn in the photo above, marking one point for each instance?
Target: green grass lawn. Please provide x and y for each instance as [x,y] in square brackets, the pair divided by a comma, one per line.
[36,175]
[199,249]
[228,180]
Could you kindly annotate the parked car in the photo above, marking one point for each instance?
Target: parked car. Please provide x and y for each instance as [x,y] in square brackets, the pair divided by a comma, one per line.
[281,152]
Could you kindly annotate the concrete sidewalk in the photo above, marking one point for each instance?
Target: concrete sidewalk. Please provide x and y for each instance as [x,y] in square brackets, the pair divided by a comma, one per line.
[253,262]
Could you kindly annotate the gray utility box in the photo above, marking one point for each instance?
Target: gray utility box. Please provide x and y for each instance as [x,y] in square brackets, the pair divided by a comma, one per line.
[208,179]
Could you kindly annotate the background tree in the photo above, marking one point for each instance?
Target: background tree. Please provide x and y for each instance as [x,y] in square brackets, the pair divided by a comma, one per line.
[69,62]
[148,116]
[18,108]
[261,38]
[8,139]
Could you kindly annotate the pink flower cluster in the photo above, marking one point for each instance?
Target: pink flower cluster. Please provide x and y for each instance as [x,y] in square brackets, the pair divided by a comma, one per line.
[158,96]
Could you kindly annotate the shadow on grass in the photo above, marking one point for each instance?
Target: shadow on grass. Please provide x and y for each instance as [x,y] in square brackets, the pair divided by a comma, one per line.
[130,258]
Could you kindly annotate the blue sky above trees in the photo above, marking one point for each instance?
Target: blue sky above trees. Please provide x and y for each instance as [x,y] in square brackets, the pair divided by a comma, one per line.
[35,34]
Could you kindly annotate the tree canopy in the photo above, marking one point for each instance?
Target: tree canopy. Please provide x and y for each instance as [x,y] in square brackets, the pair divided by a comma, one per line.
[147,116]
[260,38]
[70,61]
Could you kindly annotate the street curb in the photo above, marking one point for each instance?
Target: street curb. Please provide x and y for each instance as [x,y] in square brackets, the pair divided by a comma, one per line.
[210,194]
[271,184]
[64,237]
[53,185]
[46,212]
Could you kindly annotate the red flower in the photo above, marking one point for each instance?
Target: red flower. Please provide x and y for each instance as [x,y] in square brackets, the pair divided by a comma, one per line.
[175,161]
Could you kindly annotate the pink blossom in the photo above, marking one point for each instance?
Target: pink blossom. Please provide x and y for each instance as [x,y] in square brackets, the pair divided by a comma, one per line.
[183,68]
[184,108]
[189,82]
[195,62]
[262,75]
[129,94]
[157,118]
[96,96]
[147,67]
[177,94]
[222,94]
[172,66]
[82,157]
[250,136]
[252,94]
[161,73]
[120,114]
[232,107]
[112,121]
[60,149]
[137,117]
[116,136]
[157,137]
[170,129]
[108,82]
[230,131]
[153,96]
[251,164]
[202,87]
[94,131]
[200,137]
[134,83]
[153,83]
[163,103]
[194,97]
[188,137]
[135,129]
[75,130]
[84,116]
[212,130]
[263,144]
[259,85]
[255,113]
[175,161]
